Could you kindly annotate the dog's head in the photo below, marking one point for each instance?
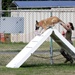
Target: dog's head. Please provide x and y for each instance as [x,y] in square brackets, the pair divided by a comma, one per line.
[37,25]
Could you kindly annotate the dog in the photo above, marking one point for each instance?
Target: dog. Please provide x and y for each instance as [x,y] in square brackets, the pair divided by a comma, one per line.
[43,25]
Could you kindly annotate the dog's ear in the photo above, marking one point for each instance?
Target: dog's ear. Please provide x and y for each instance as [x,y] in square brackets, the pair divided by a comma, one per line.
[37,22]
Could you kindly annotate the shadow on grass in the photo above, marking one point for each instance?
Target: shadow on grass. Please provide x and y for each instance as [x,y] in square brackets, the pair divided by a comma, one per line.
[34,65]
[63,64]
[45,64]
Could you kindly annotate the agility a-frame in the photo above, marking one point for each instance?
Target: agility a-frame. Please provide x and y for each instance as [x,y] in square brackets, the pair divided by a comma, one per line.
[29,49]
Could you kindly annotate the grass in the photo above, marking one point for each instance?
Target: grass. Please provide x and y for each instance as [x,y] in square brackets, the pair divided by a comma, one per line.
[11,46]
[34,65]
[40,69]
[19,46]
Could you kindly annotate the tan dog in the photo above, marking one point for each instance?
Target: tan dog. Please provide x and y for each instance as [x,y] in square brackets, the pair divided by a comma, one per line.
[47,23]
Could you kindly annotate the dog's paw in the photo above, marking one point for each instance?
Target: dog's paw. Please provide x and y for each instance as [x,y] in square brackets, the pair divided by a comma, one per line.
[36,33]
[39,34]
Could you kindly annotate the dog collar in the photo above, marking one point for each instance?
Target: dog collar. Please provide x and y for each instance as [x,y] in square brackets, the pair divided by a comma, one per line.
[40,23]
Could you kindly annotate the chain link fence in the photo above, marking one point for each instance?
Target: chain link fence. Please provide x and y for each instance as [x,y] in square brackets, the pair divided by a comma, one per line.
[12,43]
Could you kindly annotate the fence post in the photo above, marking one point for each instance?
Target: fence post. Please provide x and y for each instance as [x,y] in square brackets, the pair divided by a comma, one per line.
[51,48]
[51,51]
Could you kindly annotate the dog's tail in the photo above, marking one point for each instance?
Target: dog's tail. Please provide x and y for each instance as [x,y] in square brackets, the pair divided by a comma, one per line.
[61,22]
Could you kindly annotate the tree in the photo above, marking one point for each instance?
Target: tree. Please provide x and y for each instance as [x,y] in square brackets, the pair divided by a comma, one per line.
[5,6]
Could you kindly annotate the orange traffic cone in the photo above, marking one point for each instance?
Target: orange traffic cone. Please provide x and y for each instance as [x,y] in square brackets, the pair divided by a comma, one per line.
[2,37]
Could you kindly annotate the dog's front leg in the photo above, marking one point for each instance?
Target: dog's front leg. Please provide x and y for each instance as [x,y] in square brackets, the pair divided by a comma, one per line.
[40,29]
[38,32]
[43,30]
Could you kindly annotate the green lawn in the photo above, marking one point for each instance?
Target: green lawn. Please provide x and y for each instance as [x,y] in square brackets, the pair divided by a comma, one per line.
[35,65]
[40,69]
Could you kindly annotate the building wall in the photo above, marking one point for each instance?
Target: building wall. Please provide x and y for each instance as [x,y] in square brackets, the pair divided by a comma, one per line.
[30,17]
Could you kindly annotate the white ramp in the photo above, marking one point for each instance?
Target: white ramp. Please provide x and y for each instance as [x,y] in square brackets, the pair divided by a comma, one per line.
[63,43]
[21,57]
